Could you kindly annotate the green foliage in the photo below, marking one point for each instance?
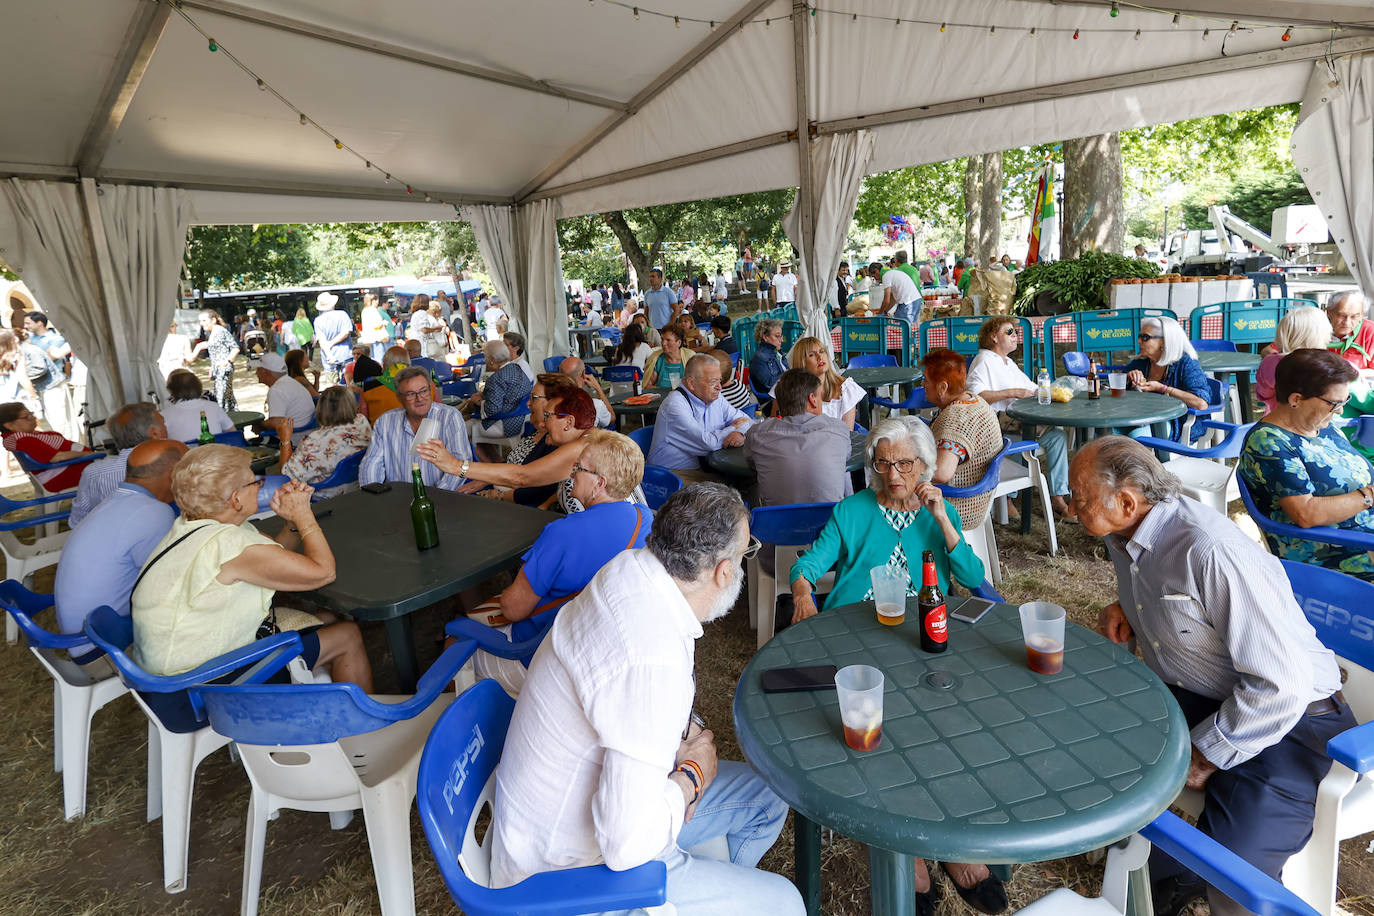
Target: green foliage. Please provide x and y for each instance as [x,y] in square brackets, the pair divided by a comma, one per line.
[248,257]
[1251,195]
[1080,284]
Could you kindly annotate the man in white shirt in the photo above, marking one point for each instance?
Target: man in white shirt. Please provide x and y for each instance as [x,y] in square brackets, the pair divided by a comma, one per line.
[900,297]
[495,319]
[287,399]
[612,779]
[576,370]
[720,288]
[784,285]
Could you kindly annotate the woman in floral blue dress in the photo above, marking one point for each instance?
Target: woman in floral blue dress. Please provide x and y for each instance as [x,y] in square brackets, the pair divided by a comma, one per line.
[1303,472]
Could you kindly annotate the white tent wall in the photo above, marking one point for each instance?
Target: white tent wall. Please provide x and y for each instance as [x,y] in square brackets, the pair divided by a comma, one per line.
[520,247]
[1333,148]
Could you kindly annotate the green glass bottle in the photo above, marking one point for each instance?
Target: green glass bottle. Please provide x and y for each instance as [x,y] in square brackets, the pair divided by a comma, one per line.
[205,437]
[422,513]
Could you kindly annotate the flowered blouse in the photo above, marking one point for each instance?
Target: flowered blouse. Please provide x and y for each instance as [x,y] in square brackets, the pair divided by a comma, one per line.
[1276,463]
[221,346]
[322,449]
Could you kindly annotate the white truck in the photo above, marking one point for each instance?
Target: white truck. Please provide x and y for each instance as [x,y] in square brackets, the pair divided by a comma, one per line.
[1200,252]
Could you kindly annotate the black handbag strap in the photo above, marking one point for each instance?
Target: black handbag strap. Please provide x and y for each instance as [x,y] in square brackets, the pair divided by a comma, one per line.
[149,565]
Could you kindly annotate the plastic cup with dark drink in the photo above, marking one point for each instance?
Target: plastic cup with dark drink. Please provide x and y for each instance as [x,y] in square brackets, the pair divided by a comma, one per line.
[1042,625]
[859,689]
[1117,381]
[889,593]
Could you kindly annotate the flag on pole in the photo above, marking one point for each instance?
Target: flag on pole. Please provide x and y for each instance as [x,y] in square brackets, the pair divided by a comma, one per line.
[1044,209]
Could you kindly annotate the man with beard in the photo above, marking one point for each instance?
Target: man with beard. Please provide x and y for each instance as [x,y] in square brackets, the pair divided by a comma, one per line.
[603,762]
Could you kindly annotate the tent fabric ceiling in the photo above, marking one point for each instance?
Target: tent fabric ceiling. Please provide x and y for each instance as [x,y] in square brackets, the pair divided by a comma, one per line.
[197,121]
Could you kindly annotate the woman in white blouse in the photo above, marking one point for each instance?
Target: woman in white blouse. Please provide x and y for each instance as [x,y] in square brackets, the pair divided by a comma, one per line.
[840,396]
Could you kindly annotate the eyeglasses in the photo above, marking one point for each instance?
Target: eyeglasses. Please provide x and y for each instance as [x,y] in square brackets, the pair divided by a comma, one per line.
[1151,336]
[550,416]
[255,482]
[752,549]
[419,395]
[903,465]
[1336,406]
[1011,332]
[579,469]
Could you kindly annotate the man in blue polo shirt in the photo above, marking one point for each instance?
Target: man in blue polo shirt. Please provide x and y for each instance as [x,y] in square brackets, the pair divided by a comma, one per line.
[660,301]
[334,331]
[101,560]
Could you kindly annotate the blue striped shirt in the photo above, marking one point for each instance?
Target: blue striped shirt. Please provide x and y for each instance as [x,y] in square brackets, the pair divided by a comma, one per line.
[389,455]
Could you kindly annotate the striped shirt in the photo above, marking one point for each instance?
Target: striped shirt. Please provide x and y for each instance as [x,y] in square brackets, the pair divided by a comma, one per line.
[1214,614]
[388,456]
[99,481]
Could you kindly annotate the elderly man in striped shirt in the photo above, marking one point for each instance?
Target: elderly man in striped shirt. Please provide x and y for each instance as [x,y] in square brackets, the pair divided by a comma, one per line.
[391,454]
[1214,616]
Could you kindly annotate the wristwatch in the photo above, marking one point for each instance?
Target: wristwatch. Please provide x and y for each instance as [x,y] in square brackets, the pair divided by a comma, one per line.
[1368,500]
[463,471]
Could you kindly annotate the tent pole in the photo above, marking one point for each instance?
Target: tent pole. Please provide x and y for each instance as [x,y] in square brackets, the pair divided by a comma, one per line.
[105,287]
[149,22]
[801,22]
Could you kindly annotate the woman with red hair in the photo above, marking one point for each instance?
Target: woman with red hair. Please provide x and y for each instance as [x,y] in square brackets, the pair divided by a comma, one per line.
[967,434]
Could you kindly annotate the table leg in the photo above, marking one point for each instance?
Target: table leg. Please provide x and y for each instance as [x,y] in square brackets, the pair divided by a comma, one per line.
[892,882]
[1028,432]
[1139,901]
[866,409]
[1243,383]
[807,853]
[401,641]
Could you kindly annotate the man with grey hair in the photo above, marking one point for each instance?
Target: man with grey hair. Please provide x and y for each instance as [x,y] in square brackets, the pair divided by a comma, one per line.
[1352,334]
[1214,616]
[694,421]
[575,369]
[603,762]
[506,387]
[391,454]
[130,425]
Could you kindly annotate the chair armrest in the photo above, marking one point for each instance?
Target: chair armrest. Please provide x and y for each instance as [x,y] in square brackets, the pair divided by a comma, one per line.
[35,521]
[987,591]
[271,655]
[1222,868]
[1020,446]
[29,463]
[493,641]
[1168,445]
[1354,747]
[16,504]
[591,889]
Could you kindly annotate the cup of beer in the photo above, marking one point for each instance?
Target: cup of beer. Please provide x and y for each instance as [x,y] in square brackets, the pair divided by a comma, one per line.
[1117,382]
[859,689]
[890,585]
[1042,625]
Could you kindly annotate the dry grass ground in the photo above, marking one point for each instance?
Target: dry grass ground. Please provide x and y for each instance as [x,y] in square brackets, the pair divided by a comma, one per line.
[109,862]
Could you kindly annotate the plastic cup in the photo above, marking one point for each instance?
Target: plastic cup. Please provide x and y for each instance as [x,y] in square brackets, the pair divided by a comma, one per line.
[1117,382]
[860,692]
[1042,625]
[889,593]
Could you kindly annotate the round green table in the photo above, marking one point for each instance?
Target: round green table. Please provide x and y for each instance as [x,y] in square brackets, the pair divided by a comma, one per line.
[1132,409]
[980,760]
[244,418]
[871,378]
[643,410]
[732,461]
[1240,365]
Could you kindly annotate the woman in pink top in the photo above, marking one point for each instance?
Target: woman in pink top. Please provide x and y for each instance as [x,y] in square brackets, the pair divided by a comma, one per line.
[1300,329]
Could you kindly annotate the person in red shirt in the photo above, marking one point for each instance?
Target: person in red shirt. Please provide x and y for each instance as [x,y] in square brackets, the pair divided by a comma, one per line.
[1352,335]
[21,434]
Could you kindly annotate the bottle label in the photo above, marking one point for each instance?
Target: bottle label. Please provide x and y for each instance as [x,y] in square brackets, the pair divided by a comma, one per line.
[936,623]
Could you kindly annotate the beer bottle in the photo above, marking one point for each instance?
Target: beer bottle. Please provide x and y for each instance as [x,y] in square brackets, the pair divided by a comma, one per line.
[934,623]
[205,437]
[1094,382]
[422,512]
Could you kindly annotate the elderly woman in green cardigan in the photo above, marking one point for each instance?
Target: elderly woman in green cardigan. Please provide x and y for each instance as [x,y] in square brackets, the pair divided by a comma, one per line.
[890,524]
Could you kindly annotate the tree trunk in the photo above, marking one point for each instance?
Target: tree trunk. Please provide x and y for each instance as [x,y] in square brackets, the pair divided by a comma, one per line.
[973,204]
[1093,214]
[460,303]
[990,218]
[639,263]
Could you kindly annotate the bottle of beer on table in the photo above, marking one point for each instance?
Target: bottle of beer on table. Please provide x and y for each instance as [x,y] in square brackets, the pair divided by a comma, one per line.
[422,512]
[205,437]
[934,623]
[1094,382]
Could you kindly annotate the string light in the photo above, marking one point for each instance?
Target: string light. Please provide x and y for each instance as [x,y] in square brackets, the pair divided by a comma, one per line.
[1287,34]
[899,22]
[1115,11]
[214,46]
[303,121]
[1137,34]
[1205,33]
[636,14]
[677,23]
[768,23]
[261,85]
[337,144]
[1032,31]
[1235,24]
[713,25]
[1174,23]
[992,30]
[1075,34]
[942,27]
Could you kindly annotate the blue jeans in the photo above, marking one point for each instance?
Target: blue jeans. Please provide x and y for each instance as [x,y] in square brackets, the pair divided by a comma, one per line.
[908,311]
[738,806]
[379,350]
[1056,445]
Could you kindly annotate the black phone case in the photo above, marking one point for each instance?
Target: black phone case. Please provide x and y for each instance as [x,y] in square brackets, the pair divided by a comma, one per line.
[774,680]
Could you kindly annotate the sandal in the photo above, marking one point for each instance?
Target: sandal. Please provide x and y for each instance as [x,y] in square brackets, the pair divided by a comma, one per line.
[987,896]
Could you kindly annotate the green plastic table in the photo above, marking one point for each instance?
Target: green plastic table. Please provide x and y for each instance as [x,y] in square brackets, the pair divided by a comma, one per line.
[980,760]
[732,462]
[242,418]
[1133,408]
[1239,365]
[872,378]
[382,576]
[643,410]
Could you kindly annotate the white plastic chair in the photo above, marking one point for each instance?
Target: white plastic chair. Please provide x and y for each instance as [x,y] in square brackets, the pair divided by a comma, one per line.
[23,560]
[1205,473]
[1015,477]
[76,696]
[791,530]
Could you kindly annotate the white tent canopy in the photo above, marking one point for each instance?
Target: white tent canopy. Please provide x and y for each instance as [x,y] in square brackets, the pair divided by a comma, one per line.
[586,105]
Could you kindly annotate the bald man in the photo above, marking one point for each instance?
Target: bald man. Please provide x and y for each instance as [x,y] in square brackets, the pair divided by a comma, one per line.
[576,370]
[102,558]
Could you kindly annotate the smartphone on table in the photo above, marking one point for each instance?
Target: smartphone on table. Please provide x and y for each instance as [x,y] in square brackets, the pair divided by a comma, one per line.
[788,680]
[972,610]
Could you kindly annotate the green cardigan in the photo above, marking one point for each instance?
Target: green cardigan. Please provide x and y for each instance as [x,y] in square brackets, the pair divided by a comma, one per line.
[858,538]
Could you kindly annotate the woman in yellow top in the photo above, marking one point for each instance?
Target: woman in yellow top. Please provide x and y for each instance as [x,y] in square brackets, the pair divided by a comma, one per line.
[665,367]
[209,584]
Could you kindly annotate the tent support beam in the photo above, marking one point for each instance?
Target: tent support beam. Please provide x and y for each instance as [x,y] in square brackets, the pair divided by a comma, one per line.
[665,79]
[105,286]
[1277,12]
[1314,51]
[145,31]
[385,49]
[801,23]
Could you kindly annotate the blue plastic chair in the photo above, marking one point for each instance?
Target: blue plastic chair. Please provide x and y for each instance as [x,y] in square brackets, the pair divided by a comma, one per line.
[914,401]
[1214,346]
[22,559]
[790,529]
[658,484]
[77,696]
[1325,534]
[627,374]
[1202,471]
[174,751]
[984,540]
[33,468]
[231,437]
[475,363]
[551,363]
[1076,363]
[456,782]
[1218,393]
[644,438]
[347,750]
[871,361]
[458,388]
[269,435]
[345,472]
